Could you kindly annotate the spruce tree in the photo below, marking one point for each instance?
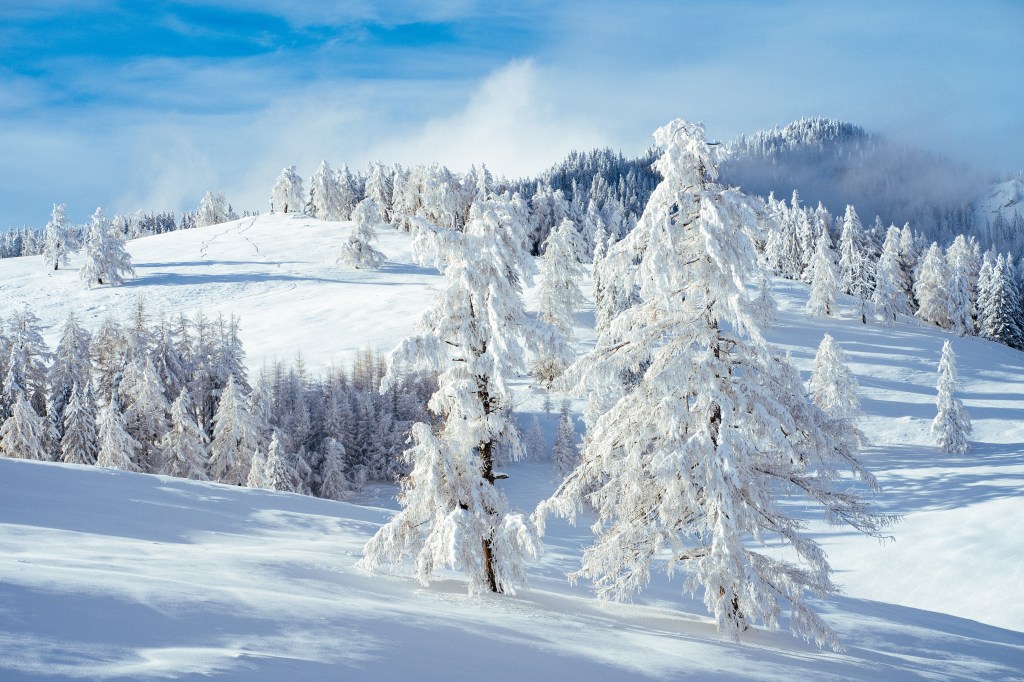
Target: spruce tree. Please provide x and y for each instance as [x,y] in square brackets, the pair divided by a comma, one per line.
[558,298]
[235,435]
[106,261]
[57,246]
[72,366]
[358,251]
[24,433]
[824,280]
[931,288]
[185,446]
[474,336]
[118,450]
[890,297]
[80,441]
[564,452]
[702,453]
[952,425]
[832,386]
[287,195]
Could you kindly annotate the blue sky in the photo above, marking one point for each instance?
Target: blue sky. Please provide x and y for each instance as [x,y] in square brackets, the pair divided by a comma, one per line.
[146,105]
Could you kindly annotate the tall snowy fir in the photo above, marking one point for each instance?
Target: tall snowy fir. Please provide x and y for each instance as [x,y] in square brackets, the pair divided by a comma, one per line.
[56,244]
[235,435]
[890,297]
[287,196]
[931,288]
[213,210]
[565,451]
[184,446]
[118,450]
[474,336]
[691,464]
[824,280]
[358,251]
[558,298]
[79,442]
[832,386]
[856,269]
[106,261]
[952,425]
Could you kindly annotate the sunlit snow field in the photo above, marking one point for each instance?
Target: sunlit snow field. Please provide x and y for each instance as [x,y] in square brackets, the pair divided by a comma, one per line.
[108,574]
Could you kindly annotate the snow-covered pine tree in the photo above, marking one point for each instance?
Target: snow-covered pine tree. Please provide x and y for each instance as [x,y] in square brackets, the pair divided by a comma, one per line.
[213,209]
[931,288]
[891,282]
[334,481]
[257,469]
[1000,302]
[952,425]
[56,245]
[185,446]
[358,251]
[145,413]
[565,451]
[106,261]
[474,335]
[962,286]
[348,192]
[325,200]
[24,434]
[692,464]
[824,280]
[235,437]
[833,388]
[118,450]
[277,475]
[33,356]
[765,308]
[71,366]
[535,444]
[856,270]
[287,195]
[558,298]
[380,188]
[80,441]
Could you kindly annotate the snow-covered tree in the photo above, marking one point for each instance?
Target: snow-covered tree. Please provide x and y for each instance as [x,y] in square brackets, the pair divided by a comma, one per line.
[535,444]
[334,481]
[999,299]
[277,475]
[80,442]
[856,269]
[71,366]
[287,195]
[56,245]
[257,468]
[235,437]
[832,386]
[118,450]
[558,298]
[213,209]
[931,288]
[891,282]
[24,433]
[325,199]
[185,446]
[565,451]
[106,261]
[358,251]
[145,413]
[693,463]
[952,425]
[962,285]
[824,280]
[474,335]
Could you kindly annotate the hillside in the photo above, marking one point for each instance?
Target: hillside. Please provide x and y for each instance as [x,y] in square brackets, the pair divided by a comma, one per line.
[108,574]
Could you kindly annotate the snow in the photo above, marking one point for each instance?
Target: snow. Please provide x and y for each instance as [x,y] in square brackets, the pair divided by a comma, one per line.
[110,574]
[1003,197]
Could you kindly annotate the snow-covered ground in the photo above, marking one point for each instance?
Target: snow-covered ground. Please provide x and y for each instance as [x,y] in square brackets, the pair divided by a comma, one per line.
[108,574]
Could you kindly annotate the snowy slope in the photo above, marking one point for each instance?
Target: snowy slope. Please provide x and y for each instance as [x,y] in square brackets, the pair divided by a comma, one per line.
[110,574]
[1006,197]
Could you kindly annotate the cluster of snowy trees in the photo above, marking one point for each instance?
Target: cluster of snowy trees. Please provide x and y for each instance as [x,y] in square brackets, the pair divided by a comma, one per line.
[174,398]
[697,431]
[894,271]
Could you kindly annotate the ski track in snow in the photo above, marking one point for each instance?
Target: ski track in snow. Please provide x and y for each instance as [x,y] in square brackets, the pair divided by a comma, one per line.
[107,574]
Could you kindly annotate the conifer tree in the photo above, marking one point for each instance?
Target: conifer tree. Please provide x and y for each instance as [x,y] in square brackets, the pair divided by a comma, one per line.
[118,450]
[558,298]
[565,453]
[891,282]
[24,433]
[358,251]
[474,336]
[832,386]
[856,270]
[952,425]
[287,194]
[257,468]
[824,280]
[535,445]
[325,200]
[185,446]
[277,475]
[71,367]
[334,481]
[962,284]
[145,413]
[235,437]
[931,288]
[80,442]
[106,261]
[213,210]
[57,246]
[693,461]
